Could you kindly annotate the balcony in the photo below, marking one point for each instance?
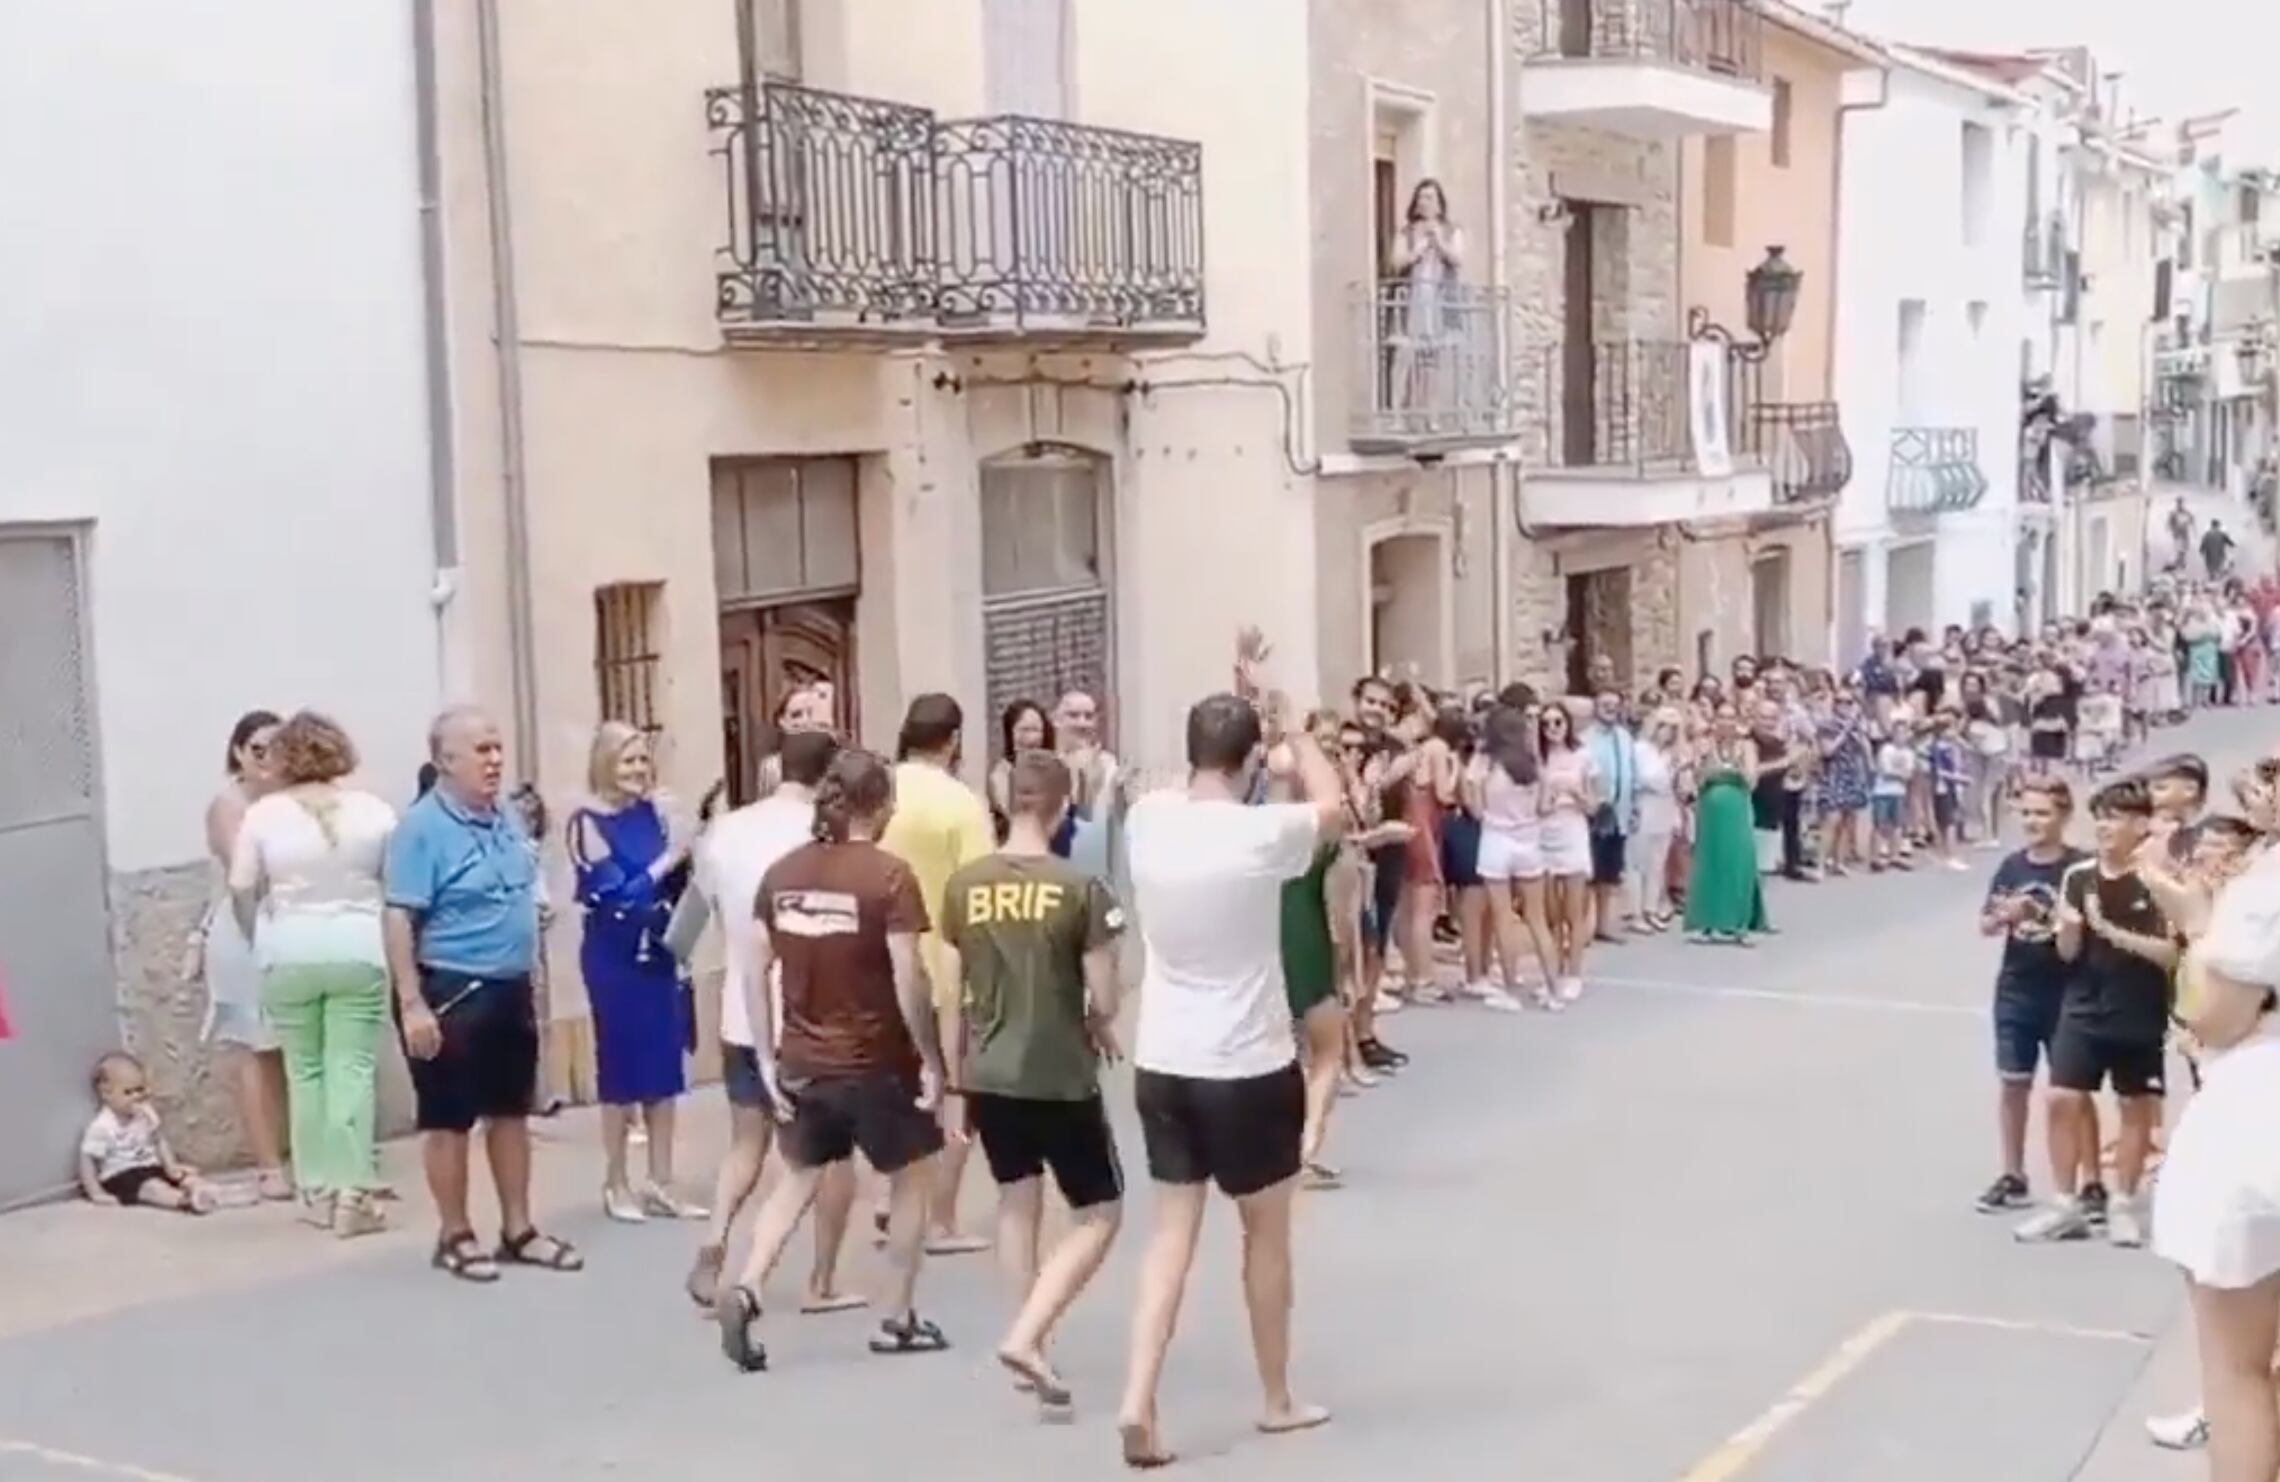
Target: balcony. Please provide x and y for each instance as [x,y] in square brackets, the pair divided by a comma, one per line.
[1934,471]
[1427,377]
[1653,69]
[1647,433]
[854,219]
[1802,445]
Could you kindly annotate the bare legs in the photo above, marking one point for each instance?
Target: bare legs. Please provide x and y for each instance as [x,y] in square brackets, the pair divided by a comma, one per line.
[1045,1293]
[1475,930]
[445,1156]
[1325,1035]
[751,1130]
[2013,1102]
[1518,908]
[257,1086]
[2236,1331]
[1267,1294]
[1570,898]
[908,1190]
[1420,905]
[942,1236]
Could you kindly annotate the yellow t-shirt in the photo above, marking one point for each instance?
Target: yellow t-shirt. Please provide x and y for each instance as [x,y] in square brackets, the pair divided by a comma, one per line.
[939,826]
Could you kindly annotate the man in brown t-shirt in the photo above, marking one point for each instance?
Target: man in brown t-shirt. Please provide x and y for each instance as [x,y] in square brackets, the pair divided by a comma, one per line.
[859,1062]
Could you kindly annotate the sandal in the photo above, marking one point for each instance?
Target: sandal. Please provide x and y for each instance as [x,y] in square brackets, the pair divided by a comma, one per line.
[1323,1176]
[737,1311]
[909,1333]
[546,1252]
[461,1257]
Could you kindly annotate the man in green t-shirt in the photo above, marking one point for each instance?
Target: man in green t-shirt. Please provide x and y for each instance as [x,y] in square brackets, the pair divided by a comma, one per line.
[1032,939]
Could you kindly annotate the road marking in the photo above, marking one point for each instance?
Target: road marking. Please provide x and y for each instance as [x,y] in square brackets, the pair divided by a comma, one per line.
[1778,995]
[96,1465]
[1746,1445]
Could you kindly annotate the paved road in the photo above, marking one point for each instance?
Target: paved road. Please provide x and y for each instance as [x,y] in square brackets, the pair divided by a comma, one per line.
[1727,1197]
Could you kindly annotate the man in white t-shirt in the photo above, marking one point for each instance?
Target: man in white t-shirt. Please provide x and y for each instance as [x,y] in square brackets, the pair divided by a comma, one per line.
[731,858]
[1220,1094]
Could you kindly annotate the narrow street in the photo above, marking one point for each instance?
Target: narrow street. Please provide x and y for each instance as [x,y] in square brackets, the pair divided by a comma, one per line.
[1713,1225]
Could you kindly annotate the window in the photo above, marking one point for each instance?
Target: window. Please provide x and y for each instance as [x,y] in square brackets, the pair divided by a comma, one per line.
[1975,315]
[1911,360]
[770,36]
[1040,526]
[1781,107]
[1718,190]
[2248,205]
[2185,235]
[628,653]
[784,529]
[1978,181]
[1025,56]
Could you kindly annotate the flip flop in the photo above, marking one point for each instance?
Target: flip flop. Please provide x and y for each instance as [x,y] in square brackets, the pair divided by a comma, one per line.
[955,1245]
[1038,1380]
[815,1306]
[907,1334]
[1141,1451]
[738,1309]
[1304,1418]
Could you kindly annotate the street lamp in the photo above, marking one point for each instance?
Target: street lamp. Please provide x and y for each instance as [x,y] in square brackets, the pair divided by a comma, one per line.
[1769,297]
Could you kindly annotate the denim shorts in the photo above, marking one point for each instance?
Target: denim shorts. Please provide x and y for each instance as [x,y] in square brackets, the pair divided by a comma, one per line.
[2024,1027]
[1884,812]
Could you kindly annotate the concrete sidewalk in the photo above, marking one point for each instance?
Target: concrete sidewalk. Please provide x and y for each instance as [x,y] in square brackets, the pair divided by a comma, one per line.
[2166,1385]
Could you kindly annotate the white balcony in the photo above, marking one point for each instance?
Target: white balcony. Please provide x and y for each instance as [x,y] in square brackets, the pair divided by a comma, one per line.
[1653,69]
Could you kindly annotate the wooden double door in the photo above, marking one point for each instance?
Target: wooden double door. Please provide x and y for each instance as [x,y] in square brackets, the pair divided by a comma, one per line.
[767,653]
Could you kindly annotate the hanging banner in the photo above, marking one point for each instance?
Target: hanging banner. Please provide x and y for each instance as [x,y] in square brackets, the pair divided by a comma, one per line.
[1706,408]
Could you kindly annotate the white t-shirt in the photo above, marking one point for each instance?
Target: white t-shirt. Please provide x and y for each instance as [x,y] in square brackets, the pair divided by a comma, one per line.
[115,1143]
[735,853]
[1207,881]
[321,894]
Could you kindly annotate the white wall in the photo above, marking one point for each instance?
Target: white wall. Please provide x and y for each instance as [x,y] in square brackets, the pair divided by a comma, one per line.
[1902,238]
[211,348]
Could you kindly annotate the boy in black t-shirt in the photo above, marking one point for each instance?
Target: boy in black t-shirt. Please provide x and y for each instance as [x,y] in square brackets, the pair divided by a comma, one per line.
[2022,908]
[2115,1021]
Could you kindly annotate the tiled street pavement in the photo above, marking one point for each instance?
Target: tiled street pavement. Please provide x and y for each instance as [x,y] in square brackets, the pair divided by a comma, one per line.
[1712,1225]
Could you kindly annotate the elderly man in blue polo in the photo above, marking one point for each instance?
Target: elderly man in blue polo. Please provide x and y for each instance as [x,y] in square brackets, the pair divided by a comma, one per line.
[462,934]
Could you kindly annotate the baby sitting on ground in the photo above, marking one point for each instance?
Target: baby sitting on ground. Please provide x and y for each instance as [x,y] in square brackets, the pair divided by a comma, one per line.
[123,1157]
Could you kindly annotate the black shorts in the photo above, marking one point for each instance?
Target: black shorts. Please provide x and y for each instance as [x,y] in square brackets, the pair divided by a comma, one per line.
[1607,858]
[1241,1135]
[2083,1059]
[740,1078]
[1390,866]
[127,1184]
[1022,1138]
[875,1111]
[487,1070]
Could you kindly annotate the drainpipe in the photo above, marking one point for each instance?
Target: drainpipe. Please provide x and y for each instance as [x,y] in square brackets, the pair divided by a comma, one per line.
[507,332]
[1503,484]
[443,477]
[1830,557]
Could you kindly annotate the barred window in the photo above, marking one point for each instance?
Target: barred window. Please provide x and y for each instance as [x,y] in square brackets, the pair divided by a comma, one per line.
[628,658]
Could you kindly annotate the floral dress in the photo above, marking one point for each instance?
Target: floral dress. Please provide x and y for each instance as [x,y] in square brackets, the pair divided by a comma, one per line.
[1846,767]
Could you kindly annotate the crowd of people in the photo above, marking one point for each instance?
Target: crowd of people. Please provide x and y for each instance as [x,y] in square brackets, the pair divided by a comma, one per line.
[914,965]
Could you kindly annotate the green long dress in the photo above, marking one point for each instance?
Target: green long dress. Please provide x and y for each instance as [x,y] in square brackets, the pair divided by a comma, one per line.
[1723,895]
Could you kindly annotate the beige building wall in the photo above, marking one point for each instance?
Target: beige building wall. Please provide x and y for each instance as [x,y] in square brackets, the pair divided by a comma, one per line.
[629,390]
[1785,185]
[1406,551]
[1636,297]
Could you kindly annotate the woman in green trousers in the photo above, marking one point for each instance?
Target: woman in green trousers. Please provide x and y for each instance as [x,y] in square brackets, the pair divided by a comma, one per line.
[305,882]
[1725,901]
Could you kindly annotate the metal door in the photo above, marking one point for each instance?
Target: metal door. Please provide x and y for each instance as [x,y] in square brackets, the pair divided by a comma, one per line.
[55,948]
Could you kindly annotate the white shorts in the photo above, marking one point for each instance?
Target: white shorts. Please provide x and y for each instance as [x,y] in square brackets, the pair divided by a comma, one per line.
[1510,856]
[1567,846]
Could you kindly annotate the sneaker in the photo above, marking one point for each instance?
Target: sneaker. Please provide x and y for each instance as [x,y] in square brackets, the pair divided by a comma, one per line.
[1493,997]
[2007,1192]
[1428,994]
[2094,1203]
[1387,1003]
[1571,991]
[2064,1220]
[2125,1227]
[2186,1432]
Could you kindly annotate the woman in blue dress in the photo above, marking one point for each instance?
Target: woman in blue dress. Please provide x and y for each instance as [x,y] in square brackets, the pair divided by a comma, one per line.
[632,866]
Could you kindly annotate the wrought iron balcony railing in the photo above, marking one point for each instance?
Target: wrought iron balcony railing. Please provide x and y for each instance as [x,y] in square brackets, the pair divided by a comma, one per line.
[1426,370]
[858,215]
[1717,36]
[2043,252]
[1632,404]
[1801,443]
[1934,470]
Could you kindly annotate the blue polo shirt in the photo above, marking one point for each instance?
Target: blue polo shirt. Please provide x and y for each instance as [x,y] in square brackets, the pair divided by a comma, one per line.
[470,879]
